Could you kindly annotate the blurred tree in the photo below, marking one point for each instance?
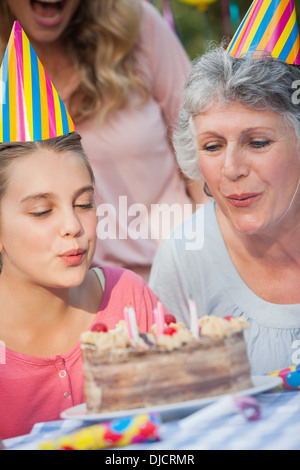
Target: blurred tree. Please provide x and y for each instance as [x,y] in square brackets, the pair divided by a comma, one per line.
[200,22]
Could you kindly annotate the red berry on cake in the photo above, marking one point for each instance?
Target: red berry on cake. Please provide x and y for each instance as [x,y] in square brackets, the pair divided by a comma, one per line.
[228,317]
[169,331]
[99,327]
[169,318]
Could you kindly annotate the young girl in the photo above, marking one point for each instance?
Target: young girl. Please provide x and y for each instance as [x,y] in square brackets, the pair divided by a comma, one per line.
[49,296]
[119,69]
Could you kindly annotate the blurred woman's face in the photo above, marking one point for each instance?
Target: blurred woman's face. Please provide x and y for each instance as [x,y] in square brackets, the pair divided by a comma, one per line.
[43,20]
[250,161]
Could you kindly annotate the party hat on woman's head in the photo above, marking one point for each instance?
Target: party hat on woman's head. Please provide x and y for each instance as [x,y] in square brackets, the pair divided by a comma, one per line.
[30,107]
[271,26]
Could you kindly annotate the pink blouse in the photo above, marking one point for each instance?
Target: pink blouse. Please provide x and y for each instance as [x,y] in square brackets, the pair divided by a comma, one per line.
[37,389]
[132,156]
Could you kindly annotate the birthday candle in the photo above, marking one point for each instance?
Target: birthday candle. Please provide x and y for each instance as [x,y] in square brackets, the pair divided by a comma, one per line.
[193,318]
[159,318]
[127,320]
[130,319]
[134,327]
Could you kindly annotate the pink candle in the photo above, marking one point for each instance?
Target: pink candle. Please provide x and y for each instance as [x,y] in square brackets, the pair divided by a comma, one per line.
[131,323]
[159,318]
[127,320]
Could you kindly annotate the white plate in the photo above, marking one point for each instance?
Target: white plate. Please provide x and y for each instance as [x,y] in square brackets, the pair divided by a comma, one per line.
[171,411]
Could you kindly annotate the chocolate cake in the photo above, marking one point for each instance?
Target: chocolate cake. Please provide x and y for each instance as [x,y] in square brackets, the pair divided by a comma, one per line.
[121,372]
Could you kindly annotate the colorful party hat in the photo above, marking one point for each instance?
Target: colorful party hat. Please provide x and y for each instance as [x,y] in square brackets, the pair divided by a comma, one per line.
[269,25]
[30,109]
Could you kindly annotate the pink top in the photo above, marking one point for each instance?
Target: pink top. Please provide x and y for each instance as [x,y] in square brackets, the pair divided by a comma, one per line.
[37,389]
[131,154]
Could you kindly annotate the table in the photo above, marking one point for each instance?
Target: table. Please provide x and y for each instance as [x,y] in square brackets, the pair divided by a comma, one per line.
[278,428]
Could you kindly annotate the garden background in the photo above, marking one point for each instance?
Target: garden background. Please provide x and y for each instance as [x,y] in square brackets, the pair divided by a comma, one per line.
[198,22]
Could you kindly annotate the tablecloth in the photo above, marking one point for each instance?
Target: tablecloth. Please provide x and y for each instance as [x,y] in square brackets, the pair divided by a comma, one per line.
[277,429]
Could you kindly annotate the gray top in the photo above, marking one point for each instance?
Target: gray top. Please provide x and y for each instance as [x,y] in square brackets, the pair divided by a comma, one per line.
[207,275]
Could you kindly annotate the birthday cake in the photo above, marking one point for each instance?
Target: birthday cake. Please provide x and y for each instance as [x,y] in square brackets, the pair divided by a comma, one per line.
[175,365]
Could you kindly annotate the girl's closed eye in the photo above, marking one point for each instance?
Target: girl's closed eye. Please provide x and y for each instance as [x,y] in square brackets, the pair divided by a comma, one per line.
[85,204]
[40,213]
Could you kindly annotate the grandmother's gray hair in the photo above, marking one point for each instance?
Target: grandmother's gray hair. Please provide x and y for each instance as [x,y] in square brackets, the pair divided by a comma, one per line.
[259,83]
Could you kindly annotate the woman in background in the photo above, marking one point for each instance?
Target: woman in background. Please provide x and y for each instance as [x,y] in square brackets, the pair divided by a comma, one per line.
[119,69]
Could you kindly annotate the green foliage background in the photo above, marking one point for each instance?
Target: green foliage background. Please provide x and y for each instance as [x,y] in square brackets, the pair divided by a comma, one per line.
[197,29]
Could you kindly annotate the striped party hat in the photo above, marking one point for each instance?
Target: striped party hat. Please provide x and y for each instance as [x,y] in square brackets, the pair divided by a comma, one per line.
[30,107]
[269,25]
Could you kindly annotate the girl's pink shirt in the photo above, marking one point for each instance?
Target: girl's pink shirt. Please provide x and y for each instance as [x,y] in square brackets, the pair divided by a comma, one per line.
[37,389]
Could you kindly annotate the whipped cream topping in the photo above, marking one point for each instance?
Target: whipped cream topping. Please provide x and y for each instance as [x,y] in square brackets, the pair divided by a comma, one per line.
[175,334]
[216,327]
[176,339]
[112,339]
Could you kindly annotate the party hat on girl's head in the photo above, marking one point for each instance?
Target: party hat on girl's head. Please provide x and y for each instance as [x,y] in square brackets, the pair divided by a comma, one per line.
[30,107]
[271,26]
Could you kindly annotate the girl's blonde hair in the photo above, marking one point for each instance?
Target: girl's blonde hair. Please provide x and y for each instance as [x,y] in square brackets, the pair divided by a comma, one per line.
[101,40]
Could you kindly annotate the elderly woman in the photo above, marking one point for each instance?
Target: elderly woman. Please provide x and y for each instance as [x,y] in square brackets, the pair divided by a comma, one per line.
[239,129]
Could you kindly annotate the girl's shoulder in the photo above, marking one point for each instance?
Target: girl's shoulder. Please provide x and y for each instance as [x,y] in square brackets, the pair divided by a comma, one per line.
[110,276]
